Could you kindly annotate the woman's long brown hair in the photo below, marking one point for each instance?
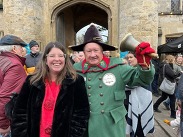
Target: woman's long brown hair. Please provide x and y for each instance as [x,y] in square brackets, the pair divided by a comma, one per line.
[42,70]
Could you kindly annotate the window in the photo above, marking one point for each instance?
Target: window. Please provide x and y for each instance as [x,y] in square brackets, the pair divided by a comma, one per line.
[176,5]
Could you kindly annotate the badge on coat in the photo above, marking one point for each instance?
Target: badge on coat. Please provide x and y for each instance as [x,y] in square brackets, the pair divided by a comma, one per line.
[109,79]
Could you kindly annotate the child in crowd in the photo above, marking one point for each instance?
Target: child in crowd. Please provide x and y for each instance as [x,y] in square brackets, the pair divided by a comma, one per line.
[176,122]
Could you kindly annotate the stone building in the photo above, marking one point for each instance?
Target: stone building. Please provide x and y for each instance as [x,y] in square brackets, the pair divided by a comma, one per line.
[155,21]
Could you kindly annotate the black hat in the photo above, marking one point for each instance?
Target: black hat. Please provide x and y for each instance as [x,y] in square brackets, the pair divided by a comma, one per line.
[92,35]
[12,40]
[33,43]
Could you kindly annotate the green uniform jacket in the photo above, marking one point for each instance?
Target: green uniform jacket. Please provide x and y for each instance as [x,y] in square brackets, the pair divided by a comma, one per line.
[106,94]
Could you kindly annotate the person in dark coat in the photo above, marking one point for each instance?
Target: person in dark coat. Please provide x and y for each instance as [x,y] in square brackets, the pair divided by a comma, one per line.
[154,83]
[33,58]
[53,101]
[170,74]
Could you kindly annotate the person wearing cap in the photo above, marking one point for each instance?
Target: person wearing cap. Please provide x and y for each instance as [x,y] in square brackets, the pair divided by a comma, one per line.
[12,75]
[105,82]
[33,58]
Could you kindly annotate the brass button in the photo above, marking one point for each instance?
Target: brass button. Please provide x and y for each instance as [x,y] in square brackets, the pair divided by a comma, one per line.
[100,78]
[100,86]
[90,111]
[89,79]
[101,94]
[89,95]
[89,87]
[101,103]
[102,111]
[89,103]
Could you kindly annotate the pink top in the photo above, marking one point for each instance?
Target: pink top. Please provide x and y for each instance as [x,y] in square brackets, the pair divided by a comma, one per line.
[51,93]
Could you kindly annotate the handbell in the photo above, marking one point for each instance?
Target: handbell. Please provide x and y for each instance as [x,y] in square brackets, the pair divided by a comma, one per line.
[129,43]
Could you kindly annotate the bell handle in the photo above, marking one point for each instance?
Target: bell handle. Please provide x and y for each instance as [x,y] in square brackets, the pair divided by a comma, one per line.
[153,55]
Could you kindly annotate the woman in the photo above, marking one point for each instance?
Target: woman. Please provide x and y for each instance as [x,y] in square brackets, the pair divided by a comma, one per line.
[140,119]
[171,75]
[177,67]
[53,100]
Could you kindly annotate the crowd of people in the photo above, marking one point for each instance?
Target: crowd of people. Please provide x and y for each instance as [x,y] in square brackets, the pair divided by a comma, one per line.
[88,93]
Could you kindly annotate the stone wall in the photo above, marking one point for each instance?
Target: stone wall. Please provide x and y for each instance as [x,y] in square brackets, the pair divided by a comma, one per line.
[164,6]
[23,18]
[141,19]
[169,24]
[31,19]
[1,21]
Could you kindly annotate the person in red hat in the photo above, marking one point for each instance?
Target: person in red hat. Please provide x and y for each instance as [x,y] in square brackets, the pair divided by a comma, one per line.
[105,82]
[12,75]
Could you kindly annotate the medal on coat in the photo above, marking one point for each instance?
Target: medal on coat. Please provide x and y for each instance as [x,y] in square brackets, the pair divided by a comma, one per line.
[109,79]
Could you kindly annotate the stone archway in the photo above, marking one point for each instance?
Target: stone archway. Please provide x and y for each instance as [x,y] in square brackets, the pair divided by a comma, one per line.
[69,17]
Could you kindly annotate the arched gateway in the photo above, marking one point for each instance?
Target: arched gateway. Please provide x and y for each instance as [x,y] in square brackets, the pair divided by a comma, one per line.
[51,20]
[69,17]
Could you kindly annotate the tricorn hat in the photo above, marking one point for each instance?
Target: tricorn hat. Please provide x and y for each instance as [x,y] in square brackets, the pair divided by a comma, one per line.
[92,35]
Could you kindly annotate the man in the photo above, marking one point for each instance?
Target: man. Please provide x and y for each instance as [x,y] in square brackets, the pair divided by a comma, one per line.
[81,55]
[12,75]
[107,54]
[32,58]
[105,81]
[74,57]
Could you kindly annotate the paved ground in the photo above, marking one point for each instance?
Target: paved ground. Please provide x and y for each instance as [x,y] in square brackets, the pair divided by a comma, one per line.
[159,117]
[162,129]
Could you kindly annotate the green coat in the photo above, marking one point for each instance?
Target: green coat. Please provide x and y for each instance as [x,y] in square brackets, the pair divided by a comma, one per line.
[106,94]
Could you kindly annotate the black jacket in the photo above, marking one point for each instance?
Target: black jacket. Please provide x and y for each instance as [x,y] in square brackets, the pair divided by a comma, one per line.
[168,72]
[71,112]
